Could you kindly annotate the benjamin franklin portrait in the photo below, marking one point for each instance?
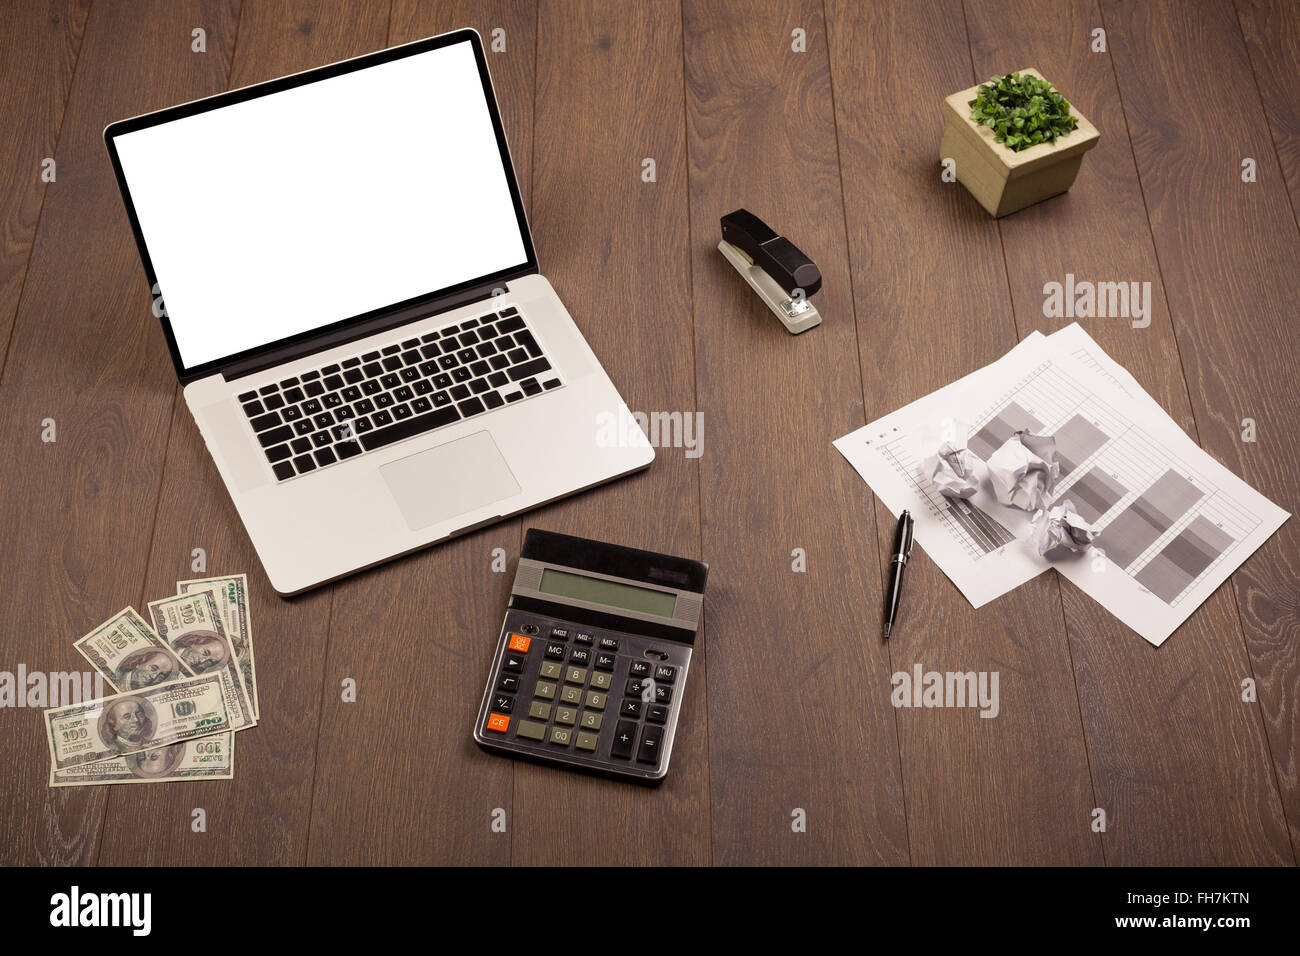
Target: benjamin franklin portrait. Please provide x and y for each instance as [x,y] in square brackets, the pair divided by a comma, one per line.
[146,668]
[127,724]
[202,651]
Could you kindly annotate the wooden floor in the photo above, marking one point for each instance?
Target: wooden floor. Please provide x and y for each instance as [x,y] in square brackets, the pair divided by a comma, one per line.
[789,704]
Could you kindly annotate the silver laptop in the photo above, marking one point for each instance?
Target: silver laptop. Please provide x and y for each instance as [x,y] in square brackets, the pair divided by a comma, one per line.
[345,277]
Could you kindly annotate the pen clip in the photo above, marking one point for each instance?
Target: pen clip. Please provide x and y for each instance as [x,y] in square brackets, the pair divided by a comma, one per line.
[911,537]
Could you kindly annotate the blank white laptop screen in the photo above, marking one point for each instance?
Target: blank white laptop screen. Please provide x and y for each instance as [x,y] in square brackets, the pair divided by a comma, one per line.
[301,208]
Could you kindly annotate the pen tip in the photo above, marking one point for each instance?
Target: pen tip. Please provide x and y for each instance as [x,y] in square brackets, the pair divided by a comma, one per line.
[886,637]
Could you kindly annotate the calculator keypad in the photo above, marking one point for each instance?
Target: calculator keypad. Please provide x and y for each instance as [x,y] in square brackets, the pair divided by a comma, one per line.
[584,696]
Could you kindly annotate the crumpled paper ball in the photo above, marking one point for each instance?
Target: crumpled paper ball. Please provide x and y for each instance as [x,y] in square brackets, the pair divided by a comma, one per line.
[955,470]
[1059,531]
[1024,470]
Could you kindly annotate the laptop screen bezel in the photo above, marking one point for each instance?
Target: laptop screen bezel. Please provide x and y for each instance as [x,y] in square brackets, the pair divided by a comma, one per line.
[188,374]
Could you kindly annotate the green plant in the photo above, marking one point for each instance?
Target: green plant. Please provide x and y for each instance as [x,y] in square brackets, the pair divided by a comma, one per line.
[1022,111]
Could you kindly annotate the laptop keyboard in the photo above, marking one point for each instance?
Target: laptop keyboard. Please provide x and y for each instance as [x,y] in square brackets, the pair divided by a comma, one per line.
[369,401]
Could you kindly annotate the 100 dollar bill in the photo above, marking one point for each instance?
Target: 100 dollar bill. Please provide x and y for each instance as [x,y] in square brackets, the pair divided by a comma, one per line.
[190,624]
[232,597]
[130,655]
[207,758]
[136,720]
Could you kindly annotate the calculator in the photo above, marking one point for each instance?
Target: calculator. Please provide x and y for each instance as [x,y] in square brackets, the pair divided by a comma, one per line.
[591,663]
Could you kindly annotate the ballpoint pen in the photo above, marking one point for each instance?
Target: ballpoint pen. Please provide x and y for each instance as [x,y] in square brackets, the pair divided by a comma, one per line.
[902,551]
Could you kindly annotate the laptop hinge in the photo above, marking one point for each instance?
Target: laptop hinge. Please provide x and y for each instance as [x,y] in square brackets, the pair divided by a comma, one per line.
[278,356]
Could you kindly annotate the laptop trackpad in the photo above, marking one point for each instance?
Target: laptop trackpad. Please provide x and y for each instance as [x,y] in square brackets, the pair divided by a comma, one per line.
[449,480]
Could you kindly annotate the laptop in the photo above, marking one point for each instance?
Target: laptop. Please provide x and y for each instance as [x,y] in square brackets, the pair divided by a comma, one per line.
[347,284]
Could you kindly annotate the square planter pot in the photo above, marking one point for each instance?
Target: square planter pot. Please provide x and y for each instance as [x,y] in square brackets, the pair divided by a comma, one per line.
[1003,180]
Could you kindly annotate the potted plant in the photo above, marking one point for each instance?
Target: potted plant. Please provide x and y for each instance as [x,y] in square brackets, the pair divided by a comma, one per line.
[1015,141]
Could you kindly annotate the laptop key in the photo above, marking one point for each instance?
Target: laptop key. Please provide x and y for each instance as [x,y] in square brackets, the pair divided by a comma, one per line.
[353,375]
[275,436]
[330,370]
[410,374]
[344,413]
[312,406]
[370,356]
[449,345]
[364,407]
[525,338]
[253,408]
[308,376]
[428,368]
[486,349]
[530,386]
[529,369]
[300,445]
[351,393]
[412,357]
[361,425]
[517,356]
[268,389]
[283,470]
[248,396]
[352,362]
[391,380]
[442,380]
[514,396]
[415,425]
[278,453]
[262,422]
[487,330]
[372,369]
[381,419]
[470,407]
[553,383]
[423,387]
[332,400]
[429,336]
[441,398]
[401,412]
[404,394]
[370,387]
[304,427]
[391,349]
[469,338]
[460,392]
[273,401]
[467,355]
[430,351]
[304,463]
[498,362]
[447,362]
[325,457]
[320,439]
[421,405]
[410,343]
[347,449]
[392,363]
[478,386]
[334,382]
[383,400]
[479,368]
[497,379]
[471,323]
[323,420]
[493,400]
[293,395]
[461,374]
[314,388]
[505,342]
[510,324]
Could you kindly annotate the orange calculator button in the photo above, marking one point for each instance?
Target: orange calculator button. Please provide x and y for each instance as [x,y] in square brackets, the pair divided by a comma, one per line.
[519,643]
[498,722]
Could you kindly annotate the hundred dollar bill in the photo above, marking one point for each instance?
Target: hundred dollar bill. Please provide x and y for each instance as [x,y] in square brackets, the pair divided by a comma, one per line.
[206,758]
[131,656]
[136,720]
[190,624]
[232,599]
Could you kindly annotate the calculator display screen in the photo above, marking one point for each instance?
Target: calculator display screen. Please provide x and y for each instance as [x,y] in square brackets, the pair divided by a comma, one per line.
[611,593]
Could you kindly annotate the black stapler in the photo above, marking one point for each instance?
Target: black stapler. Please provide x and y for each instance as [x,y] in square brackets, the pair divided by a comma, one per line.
[774,267]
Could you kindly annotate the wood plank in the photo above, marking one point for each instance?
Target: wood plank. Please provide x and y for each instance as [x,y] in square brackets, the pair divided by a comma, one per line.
[932,305]
[1099,232]
[260,818]
[609,93]
[422,629]
[87,352]
[37,57]
[793,723]
[1229,252]
[1272,32]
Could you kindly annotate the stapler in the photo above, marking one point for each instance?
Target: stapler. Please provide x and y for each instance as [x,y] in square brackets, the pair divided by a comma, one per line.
[774,267]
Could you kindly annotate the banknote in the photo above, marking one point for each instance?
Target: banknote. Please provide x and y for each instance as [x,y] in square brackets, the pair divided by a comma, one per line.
[130,655]
[231,592]
[136,720]
[190,624]
[205,758]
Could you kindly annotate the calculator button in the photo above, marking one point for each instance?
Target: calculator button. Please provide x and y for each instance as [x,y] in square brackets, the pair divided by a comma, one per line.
[519,643]
[531,731]
[601,681]
[631,708]
[665,673]
[545,690]
[560,736]
[576,675]
[509,683]
[652,739]
[634,688]
[624,738]
[586,741]
[555,651]
[608,644]
[566,715]
[513,662]
[639,669]
[657,713]
[580,655]
[605,662]
[503,704]
[539,711]
[592,720]
[663,694]
[571,695]
[582,638]
[560,633]
[551,670]
[595,701]
[498,722]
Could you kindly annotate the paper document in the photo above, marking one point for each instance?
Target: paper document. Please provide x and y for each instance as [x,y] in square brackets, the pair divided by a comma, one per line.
[1171,522]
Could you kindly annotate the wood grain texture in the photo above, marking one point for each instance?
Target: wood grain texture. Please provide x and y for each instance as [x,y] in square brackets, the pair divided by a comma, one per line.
[1271,29]
[609,93]
[39,42]
[86,351]
[762,136]
[932,305]
[1125,685]
[422,629]
[1229,252]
